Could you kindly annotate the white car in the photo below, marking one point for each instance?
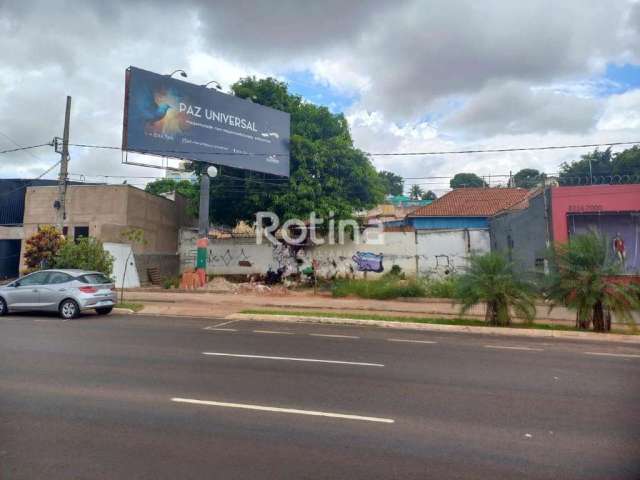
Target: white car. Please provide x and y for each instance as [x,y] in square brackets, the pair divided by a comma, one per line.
[67,292]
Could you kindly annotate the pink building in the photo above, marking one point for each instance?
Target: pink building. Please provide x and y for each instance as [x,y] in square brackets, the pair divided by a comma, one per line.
[613,210]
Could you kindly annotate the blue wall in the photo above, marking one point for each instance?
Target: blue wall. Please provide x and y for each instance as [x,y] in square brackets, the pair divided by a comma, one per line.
[433,223]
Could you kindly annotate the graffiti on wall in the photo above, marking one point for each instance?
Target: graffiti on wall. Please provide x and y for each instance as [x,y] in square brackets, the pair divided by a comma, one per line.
[368,262]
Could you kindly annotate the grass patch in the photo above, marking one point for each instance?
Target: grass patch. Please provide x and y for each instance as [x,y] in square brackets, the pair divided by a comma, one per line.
[387,318]
[136,307]
[379,289]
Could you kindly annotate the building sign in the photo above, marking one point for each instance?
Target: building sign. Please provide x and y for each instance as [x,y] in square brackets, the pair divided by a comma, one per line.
[585,208]
[170,118]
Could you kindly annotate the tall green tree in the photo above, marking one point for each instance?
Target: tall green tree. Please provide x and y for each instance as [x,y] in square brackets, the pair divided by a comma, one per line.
[582,278]
[328,174]
[527,178]
[490,279]
[416,192]
[626,164]
[594,164]
[392,184]
[466,180]
[184,187]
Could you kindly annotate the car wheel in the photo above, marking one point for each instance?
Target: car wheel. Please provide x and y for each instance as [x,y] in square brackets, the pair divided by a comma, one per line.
[69,309]
[104,310]
[3,307]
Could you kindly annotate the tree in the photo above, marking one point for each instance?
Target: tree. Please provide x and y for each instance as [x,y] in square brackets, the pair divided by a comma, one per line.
[429,195]
[582,278]
[416,192]
[392,184]
[462,180]
[86,254]
[595,164]
[490,279]
[527,178]
[328,175]
[184,187]
[626,165]
[41,247]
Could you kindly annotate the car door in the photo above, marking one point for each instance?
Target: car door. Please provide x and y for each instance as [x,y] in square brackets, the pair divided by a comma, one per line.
[54,290]
[25,294]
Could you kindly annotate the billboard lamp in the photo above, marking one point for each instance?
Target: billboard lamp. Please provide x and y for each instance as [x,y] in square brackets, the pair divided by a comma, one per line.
[216,84]
[183,74]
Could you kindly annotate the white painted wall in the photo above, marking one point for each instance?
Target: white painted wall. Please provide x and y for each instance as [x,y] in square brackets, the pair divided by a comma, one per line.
[397,248]
[244,256]
[121,252]
[441,252]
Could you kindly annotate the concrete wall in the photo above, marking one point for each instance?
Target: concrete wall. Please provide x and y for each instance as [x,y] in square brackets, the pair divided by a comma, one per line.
[399,248]
[244,256]
[443,252]
[522,235]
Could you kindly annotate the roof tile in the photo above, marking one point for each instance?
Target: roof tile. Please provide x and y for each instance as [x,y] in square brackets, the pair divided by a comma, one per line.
[472,202]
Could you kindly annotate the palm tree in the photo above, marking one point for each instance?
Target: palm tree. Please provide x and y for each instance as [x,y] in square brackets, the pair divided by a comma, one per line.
[416,192]
[583,278]
[490,279]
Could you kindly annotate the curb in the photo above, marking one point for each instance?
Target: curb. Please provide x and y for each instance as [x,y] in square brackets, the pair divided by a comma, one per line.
[498,331]
[123,311]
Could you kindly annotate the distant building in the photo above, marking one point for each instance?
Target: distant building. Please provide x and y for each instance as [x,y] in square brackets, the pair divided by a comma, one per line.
[105,212]
[12,201]
[456,225]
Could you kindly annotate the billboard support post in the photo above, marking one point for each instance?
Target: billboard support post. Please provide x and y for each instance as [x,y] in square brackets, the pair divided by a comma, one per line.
[202,243]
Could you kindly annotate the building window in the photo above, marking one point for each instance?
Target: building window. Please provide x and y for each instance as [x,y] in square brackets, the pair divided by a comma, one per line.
[80,232]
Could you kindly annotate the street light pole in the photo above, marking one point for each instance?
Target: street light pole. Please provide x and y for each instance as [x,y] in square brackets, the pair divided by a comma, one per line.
[202,243]
[64,162]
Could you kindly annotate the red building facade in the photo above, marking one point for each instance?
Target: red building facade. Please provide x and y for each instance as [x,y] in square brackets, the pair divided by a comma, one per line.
[613,210]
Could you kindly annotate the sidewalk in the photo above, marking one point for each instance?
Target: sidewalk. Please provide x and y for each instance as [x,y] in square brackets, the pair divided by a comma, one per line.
[223,304]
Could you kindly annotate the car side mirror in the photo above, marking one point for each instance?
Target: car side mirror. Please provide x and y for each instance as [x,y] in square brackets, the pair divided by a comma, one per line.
[15,284]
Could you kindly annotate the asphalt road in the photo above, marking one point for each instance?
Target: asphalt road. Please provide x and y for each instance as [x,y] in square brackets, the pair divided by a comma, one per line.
[136,397]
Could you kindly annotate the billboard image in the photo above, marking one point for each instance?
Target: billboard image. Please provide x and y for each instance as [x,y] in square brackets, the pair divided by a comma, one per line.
[171,118]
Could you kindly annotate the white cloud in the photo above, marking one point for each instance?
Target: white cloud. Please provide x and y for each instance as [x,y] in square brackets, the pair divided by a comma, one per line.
[622,113]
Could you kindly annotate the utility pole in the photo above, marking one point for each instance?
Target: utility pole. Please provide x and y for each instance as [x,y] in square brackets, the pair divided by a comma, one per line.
[64,164]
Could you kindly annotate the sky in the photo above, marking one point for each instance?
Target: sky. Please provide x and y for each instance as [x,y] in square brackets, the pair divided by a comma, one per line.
[410,75]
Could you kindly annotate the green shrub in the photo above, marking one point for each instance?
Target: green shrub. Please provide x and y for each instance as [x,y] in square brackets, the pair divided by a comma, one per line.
[86,254]
[395,273]
[381,289]
[171,282]
[442,287]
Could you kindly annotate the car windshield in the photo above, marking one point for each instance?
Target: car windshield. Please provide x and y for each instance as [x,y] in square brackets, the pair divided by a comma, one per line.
[94,278]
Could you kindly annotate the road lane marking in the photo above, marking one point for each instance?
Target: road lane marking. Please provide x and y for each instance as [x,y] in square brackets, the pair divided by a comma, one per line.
[294,359]
[282,410]
[224,323]
[409,341]
[515,348]
[221,329]
[332,336]
[604,354]
[275,332]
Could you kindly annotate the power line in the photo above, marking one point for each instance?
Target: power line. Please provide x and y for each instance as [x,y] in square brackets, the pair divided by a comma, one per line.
[506,149]
[380,154]
[32,180]
[26,148]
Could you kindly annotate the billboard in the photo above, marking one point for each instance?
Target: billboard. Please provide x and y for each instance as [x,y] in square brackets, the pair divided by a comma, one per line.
[170,118]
